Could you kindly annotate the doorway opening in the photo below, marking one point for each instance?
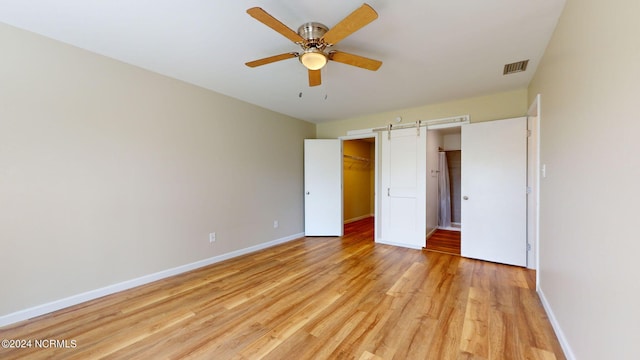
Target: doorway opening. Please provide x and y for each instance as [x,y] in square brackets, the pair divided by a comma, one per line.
[444,183]
[359,165]
[449,190]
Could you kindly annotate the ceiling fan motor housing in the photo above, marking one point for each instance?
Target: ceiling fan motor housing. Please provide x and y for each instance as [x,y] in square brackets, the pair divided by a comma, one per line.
[312,32]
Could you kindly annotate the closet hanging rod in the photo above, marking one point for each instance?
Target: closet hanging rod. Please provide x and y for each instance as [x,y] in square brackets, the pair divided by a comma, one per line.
[357,158]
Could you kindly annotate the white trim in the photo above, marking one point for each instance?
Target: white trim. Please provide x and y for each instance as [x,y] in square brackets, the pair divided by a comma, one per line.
[431,232]
[534,110]
[358,218]
[450,228]
[379,241]
[361,134]
[568,353]
[356,133]
[128,284]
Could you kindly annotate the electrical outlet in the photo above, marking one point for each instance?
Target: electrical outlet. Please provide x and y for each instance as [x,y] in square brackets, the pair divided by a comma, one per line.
[212,237]
[275,224]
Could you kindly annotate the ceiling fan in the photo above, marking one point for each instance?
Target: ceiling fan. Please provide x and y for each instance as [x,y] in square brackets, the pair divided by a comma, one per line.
[315,38]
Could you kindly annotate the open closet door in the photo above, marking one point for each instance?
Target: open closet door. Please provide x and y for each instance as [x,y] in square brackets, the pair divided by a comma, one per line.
[323,187]
[403,201]
[494,197]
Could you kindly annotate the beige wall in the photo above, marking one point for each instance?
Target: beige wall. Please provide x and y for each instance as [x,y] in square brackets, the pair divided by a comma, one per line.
[482,108]
[357,179]
[453,142]
[109,172]
[589,243]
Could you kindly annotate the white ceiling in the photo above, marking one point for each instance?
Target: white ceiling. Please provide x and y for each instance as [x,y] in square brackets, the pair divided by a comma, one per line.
[432,50]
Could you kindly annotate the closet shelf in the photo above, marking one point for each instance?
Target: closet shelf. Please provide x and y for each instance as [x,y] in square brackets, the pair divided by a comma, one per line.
[357,158]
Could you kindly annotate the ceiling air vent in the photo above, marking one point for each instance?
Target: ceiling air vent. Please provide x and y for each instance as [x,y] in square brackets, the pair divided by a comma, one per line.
[515,67]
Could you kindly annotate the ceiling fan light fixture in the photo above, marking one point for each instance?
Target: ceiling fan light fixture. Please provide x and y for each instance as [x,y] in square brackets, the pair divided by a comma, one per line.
[313,59]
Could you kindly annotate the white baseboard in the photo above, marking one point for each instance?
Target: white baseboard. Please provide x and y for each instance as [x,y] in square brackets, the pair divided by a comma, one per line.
[568,353]
[431,232]
[111,289]
[358,218]
[449,228]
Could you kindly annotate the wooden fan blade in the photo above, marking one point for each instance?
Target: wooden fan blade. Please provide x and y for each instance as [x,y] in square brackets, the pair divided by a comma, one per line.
[314,78]
[355,60]
[352,23]
[270,59]
[264,17]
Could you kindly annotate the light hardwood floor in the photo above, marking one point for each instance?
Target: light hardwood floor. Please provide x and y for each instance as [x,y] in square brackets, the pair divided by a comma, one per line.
[312,298]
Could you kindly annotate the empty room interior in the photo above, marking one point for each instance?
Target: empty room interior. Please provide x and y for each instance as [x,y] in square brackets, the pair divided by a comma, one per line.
[294,180]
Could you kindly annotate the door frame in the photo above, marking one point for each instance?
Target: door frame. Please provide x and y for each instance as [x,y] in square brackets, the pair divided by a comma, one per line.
[436,126]
[376,183]
[432,124]
[533,169]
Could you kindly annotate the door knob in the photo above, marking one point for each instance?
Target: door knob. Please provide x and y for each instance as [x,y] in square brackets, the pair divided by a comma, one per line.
[308,193]
[465,198]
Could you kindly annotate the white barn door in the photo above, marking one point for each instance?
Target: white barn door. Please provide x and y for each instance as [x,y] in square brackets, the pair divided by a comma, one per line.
[403,185]
[494,180]
[323,187]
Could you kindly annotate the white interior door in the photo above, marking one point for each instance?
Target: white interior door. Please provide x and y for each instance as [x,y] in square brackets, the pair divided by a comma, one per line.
[494,180]
[323,187]
[403,201]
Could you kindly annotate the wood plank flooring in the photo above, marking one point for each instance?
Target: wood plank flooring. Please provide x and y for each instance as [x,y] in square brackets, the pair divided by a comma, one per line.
[312,298]
[445,241]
